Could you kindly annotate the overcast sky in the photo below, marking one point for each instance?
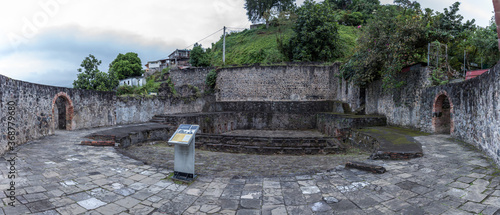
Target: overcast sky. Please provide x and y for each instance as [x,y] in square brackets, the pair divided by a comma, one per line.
[44,41]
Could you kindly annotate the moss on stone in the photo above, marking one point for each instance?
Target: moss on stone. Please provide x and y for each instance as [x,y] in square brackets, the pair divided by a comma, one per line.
[395,135]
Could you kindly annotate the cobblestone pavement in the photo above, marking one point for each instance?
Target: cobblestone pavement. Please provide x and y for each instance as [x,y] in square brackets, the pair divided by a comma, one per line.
[219,164]
[57,176]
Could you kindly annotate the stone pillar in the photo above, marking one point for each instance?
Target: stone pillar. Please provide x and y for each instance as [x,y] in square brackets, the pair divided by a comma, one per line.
[496,6]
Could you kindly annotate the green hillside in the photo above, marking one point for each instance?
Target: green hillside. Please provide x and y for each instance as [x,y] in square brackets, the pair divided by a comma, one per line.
[260,45]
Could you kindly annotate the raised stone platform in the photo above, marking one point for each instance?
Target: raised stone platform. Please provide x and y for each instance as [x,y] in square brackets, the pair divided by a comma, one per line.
[270,142]
[127,135]
[388,142]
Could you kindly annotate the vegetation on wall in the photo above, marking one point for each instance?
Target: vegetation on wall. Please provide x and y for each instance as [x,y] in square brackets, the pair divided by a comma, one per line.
[199,57]
[211,80]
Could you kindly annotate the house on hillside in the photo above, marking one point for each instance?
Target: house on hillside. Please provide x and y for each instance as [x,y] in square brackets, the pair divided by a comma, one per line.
[157,65]
[133,81]
[180,57]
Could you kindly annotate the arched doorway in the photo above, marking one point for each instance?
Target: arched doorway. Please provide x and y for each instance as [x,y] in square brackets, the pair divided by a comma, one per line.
[442,114]
[62,112]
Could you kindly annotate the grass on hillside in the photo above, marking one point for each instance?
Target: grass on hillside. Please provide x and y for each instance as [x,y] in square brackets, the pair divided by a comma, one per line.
[260,45]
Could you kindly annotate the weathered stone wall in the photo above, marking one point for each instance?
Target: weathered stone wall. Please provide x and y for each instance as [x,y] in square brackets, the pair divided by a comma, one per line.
[401,106]
[181,78]
[285,83]
[131,110]
[474,110]
[36,112]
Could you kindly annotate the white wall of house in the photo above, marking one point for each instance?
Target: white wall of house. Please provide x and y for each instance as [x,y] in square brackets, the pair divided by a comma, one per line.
[154,64]
[134,81]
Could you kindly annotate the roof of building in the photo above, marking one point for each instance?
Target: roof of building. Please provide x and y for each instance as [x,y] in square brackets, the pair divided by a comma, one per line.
[475,73]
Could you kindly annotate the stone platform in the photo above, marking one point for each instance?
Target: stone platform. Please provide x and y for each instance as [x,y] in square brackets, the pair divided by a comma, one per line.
[290,142]
[388,142]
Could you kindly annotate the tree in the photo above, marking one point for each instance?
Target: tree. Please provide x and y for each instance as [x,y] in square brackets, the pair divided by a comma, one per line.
[396,37]
[126,65]
[198,57]
[90,78]
[263,9]
[316,36]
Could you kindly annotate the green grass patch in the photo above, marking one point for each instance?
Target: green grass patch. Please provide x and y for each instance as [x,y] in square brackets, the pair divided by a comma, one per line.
[261,45]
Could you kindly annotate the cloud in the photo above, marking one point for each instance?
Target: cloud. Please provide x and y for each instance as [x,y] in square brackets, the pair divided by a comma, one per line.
[54,56]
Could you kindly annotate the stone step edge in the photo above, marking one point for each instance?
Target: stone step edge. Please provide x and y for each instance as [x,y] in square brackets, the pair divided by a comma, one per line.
[98,143]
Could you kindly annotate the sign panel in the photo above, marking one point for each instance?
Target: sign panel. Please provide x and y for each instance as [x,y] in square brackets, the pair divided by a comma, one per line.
[184,134]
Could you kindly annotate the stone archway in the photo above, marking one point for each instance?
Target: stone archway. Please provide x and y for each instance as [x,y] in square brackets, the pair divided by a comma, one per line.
[62,112]
[442,114]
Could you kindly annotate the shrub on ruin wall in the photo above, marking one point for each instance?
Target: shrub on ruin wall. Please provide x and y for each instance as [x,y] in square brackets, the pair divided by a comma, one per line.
[211,80]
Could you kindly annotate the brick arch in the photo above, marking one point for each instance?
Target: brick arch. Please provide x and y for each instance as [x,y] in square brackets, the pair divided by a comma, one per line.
[69,110]
[442,118]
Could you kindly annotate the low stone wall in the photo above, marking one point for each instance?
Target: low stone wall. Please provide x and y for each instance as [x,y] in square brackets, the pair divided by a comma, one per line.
[340,125]
[268,145]
[131,110]
[220,122]
[194,77]
[37,114]
[285,83]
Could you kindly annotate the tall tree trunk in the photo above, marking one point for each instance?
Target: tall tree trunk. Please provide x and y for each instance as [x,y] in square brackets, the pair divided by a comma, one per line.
[496,5]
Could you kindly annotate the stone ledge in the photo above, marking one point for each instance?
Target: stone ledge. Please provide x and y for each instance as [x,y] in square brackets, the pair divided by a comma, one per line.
[98,143]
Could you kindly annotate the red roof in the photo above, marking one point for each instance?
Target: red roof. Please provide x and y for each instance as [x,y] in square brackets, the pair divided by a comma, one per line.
[475,73]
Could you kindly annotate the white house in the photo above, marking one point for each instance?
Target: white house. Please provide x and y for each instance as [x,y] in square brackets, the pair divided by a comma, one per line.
[133,81]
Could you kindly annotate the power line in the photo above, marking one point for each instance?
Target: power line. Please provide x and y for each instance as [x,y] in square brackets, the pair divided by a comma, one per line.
[204,38]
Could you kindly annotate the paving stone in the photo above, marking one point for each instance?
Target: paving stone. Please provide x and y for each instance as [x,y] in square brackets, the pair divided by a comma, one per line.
[310,190]
[273,200]
[210,209]
[111,209]
[491,210]
[72,209]
[251,195]
[91,203]
[493,201]
[293,197]
[40,206]
[466,179]
[396,205]
[302,209]
[128,202]
[250,203]
[35,197]
[364,202]
[247,212]
[229,204]
[274,210]
[320,207]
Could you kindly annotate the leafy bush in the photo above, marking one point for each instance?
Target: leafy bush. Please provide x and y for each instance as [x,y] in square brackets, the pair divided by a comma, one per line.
[211,79]
[125,89]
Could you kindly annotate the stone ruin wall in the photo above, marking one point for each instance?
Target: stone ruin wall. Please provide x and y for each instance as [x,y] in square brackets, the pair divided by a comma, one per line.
[194,77]
[285,83]
[35,103]
[475,109]
[130,110]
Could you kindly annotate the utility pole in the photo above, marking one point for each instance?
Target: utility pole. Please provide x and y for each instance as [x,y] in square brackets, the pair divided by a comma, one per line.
[224,48]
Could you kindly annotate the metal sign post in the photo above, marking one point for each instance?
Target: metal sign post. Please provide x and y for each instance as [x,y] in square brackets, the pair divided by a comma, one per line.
[184,140]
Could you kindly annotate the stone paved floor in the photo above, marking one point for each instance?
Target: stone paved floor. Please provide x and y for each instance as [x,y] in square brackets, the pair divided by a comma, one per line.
[56,176]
